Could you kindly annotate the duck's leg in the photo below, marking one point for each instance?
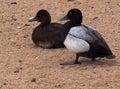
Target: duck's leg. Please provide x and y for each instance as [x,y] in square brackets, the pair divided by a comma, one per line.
[72,62]
[93,59]
[76,59]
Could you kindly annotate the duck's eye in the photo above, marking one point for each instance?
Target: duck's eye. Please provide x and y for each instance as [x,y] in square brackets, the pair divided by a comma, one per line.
[70,13]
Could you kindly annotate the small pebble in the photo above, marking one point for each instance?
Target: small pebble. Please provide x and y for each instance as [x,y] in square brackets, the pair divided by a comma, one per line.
[19,27]
[4,83]
[25,36]
[33,80]
[20,61]
[62,67]
[18,70]
[13,2]
[0,31]
[70,0]
[95,18]
[92,7]
[13,18]
[27,25]
[36,57]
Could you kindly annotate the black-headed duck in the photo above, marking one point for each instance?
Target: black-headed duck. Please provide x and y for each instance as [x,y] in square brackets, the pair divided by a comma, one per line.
[47,34]
[83,40]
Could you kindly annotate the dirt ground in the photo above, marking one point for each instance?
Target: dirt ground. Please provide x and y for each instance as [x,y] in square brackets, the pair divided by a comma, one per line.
[25,66]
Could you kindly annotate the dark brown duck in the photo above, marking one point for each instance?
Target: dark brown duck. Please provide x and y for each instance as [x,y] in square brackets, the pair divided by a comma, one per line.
[46,34]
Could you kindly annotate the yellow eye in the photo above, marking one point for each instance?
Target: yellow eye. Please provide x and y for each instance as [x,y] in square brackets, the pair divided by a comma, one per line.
[70,12]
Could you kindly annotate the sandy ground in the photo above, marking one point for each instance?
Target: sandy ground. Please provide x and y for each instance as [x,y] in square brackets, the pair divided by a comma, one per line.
[25,66]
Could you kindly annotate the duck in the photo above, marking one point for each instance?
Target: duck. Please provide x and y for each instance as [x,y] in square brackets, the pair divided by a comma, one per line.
[47,33]
[83,40]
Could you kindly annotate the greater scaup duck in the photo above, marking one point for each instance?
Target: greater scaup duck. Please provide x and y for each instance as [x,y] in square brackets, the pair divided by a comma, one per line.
[83,40]
[47,34]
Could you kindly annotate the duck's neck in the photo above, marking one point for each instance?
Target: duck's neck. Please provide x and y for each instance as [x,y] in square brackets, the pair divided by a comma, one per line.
[76,24]
[66,28]
[45,23]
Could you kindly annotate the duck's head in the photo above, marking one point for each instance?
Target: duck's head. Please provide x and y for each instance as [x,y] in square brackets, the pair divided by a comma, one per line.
[42,16]
[74,15]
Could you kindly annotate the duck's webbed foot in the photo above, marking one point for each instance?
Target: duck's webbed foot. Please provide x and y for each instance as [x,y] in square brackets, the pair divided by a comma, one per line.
[77,62]
[72,62]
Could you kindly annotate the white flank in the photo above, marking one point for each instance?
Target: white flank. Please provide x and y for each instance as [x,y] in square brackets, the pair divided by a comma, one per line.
[76,45]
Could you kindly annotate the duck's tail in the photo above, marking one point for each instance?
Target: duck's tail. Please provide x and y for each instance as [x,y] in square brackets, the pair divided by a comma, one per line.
[112,56]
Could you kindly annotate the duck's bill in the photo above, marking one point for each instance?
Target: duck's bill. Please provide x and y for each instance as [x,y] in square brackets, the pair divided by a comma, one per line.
[31,19]
[63,18]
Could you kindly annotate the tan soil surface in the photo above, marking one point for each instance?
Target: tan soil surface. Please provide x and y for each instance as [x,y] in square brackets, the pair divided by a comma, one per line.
[25,66]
